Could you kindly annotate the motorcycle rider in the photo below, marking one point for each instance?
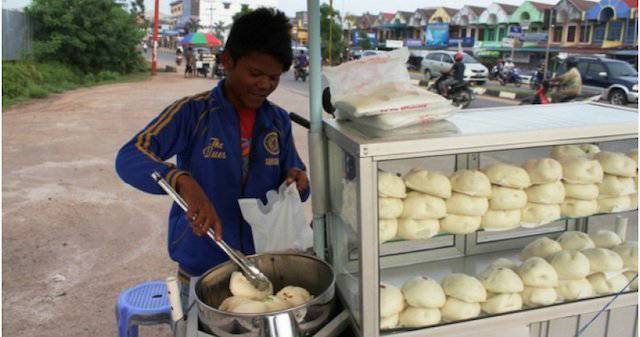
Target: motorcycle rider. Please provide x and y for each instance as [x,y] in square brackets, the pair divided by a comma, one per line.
[568,85]
[456,75]
[301,61]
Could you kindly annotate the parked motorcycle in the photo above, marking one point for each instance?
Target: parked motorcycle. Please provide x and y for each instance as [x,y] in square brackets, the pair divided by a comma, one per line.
[460,93]
[301,73]
[510,76]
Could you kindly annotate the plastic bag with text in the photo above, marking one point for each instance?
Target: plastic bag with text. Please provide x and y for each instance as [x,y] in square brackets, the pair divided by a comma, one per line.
[279,225]
[381,86]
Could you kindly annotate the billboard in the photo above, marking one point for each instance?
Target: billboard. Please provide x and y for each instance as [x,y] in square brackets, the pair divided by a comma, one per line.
[356,37]
[437,34]
[464,42]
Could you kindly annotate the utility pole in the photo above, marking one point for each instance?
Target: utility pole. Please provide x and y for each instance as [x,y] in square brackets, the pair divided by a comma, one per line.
[549,37]
[154,49]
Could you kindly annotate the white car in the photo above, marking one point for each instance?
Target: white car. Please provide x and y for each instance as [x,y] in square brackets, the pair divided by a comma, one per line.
[436,62]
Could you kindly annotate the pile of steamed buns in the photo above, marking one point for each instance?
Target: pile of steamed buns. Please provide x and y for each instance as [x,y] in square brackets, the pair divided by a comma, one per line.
[247,299]
[578,181]
[575,266]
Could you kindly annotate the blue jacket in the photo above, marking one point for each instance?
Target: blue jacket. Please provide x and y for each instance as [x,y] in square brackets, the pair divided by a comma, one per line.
[203,131]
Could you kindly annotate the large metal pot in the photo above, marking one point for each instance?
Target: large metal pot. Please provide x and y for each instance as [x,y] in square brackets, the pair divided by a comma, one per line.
[282,269]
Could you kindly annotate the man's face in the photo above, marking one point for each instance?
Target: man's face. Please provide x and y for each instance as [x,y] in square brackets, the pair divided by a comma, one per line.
[251,78]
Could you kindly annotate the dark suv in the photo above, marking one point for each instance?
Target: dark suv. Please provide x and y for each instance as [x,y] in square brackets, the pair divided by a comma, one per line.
[618,79]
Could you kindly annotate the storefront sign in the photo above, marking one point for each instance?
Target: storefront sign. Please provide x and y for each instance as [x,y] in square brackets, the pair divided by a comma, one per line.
[515,32]
[465,42]
[534,37]
[437,34]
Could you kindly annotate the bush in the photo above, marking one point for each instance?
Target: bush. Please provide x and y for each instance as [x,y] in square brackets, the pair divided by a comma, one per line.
[91,35]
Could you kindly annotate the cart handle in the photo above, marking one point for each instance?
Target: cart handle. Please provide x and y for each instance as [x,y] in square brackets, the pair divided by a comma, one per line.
[305,123]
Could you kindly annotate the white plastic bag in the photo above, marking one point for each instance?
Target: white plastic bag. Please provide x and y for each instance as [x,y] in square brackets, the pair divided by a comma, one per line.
[279,225]
[381,85]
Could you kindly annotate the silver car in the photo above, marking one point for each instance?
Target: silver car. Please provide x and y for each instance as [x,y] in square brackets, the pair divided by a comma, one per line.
[437,62]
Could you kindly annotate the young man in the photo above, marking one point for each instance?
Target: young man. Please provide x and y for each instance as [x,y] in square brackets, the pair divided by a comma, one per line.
[230,143]
[457,74]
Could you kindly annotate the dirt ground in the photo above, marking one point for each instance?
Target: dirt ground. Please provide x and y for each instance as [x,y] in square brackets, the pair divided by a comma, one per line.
[74,235]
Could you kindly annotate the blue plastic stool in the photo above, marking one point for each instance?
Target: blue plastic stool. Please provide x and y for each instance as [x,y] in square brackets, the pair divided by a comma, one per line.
[145,304]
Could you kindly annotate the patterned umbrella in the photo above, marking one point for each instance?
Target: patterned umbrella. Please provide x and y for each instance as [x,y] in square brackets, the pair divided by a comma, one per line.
[200,40]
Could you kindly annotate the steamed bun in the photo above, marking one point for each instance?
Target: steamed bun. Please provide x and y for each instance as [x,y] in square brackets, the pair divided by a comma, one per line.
[501,220]
[613,204]
[582,150]
[456,310]
[387,229]
[423,206]
[390,208]
[534,297]
[423,292]
[410,229]
[294,296]
[603,285]
[431,183]
[504,198]
[580,170]
[617,164]
[630,276]
[391,300]
[275,303]
[537,272]
[581,191]
[542,247]
[231,302]
[603,260]
[240,286]
[500,303]
[614,186]
[460,224]
[540,213]
[550,193]
[504,263]
[464,287]
[389,322]
[501,280]
[605,239]
[574,240]
[250,307]
[419,317]
[628,251]
[543,171]
[570,290]
[390,185]
[473,183]
[507,175]
[571,265]
[575,208]
[463,204]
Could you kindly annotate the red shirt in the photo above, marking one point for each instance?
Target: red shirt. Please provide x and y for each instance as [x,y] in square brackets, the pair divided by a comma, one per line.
[247,119]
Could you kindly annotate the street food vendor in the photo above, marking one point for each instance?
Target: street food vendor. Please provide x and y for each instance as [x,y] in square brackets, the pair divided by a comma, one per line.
[230,142]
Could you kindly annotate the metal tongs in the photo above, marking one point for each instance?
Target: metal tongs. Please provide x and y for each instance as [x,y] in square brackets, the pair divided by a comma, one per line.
[251,272]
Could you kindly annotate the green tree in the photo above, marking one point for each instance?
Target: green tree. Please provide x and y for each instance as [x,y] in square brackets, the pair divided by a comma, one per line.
[327,15]
[138,9]
[92,35]
[244,9]
[192,25]
[363,40]
[218,28]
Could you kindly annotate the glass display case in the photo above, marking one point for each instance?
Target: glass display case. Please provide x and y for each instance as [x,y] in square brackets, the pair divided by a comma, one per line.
[472,140]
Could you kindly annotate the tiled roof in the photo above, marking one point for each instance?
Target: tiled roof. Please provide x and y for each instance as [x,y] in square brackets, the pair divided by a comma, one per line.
[541,6]
[583,5]
[508,8]
[477,10]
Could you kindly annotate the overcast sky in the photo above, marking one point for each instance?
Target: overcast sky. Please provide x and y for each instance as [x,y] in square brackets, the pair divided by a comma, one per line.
[348,6]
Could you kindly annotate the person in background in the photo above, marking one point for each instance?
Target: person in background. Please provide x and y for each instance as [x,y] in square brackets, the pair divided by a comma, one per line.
[190,62]
[456,74]
[230,143]
[568,85]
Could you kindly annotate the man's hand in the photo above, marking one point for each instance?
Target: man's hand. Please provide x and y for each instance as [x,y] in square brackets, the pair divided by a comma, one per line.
[299,177]
[201,214]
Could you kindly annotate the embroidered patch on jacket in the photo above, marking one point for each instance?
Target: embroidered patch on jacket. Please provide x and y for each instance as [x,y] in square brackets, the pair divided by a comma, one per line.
[215,149]
[272,162]
[271,143]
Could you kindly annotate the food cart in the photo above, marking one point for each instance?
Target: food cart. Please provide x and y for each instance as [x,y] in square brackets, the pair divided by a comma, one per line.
[344,155]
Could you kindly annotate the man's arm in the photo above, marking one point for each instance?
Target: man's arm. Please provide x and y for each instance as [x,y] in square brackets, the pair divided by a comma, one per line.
[164,137]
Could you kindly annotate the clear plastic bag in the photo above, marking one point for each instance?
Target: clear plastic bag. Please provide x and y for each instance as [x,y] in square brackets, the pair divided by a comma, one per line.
[279,225]
[381,86]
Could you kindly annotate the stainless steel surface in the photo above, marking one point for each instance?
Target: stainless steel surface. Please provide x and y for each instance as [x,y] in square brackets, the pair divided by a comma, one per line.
[253,274]
[284,269]
[496,128]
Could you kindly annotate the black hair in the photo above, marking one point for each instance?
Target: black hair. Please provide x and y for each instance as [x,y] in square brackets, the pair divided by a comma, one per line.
[572,62]
[263,30]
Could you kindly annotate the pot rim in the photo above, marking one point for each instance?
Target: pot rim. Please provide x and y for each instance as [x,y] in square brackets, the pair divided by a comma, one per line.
[313,301]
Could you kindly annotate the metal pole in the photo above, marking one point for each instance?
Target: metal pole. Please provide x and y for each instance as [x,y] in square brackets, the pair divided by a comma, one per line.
[154,50]
[317,150]
[550,34]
